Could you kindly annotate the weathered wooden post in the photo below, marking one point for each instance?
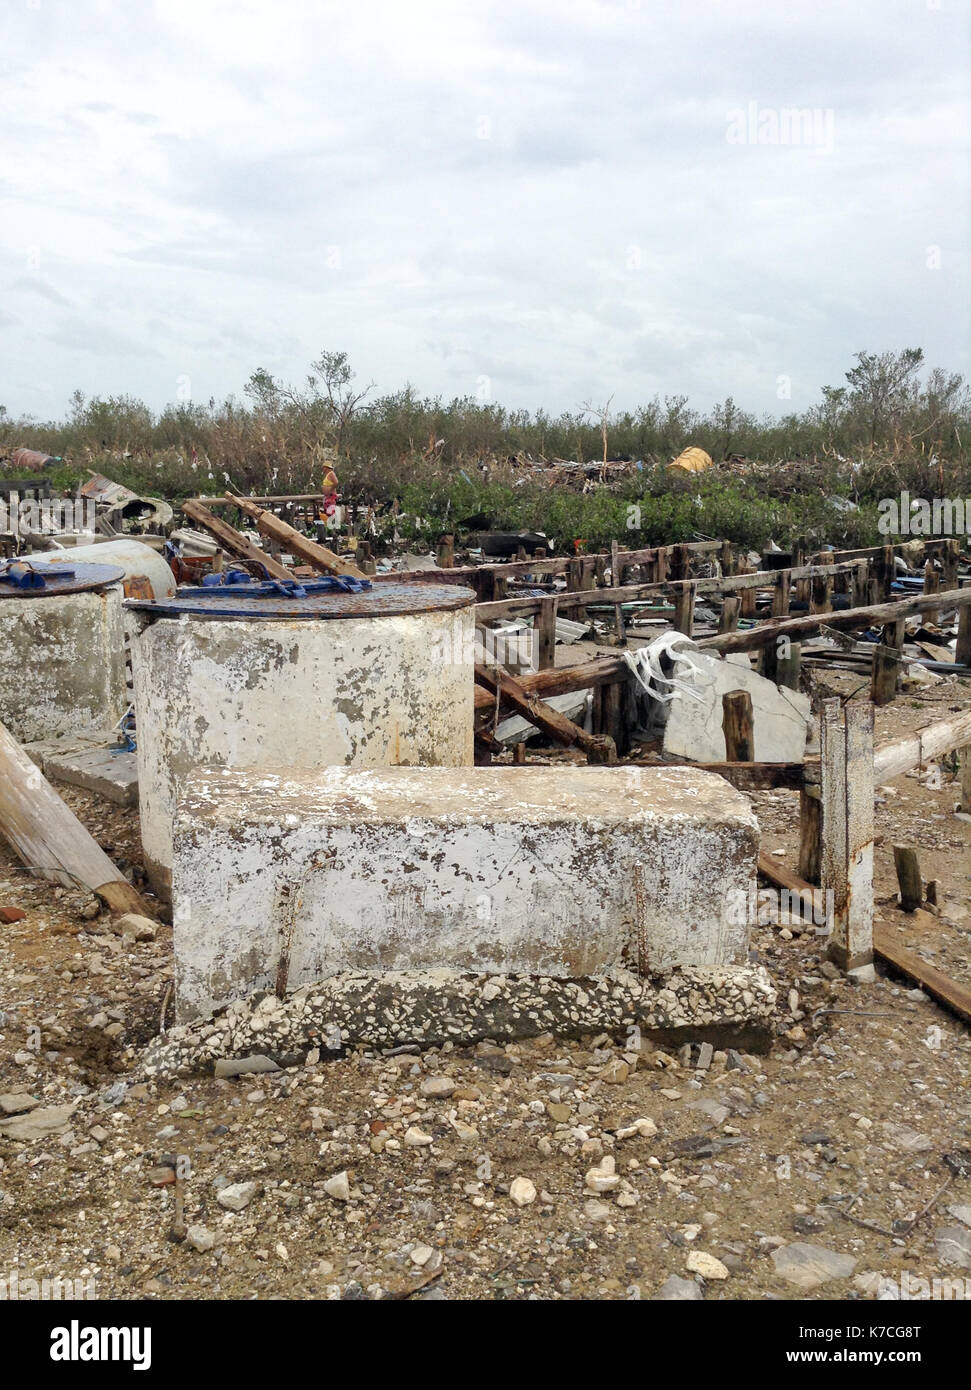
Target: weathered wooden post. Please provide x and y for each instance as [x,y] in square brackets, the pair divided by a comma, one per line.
[737,725]
[684,608]
[907,867]
[545,634]
[886,663]
[847,859]
[962,653]
[932,585]
[728,617]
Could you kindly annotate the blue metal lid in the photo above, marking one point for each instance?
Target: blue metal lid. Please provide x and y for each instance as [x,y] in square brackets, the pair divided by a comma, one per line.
[39,578]
[324,597]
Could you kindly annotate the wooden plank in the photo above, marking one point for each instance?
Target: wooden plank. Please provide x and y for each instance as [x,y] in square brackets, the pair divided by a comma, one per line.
[48,837]
[231,540]
[752,776]
[316,555]
[955,996]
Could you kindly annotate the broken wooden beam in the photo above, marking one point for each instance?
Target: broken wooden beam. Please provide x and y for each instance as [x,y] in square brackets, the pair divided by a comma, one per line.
[231,540]
[323,560]
[954,996]
[598,748]
[933,741]
[48,837]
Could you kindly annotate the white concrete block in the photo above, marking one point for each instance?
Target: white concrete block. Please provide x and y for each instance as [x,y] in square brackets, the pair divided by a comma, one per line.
[780,717]
[281,879]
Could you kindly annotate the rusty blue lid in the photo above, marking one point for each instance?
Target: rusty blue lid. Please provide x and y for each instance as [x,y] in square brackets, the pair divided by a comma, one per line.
[326,597]
[39,578]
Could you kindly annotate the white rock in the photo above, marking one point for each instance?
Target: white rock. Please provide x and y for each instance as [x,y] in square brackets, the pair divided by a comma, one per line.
[338,1187]
[416,1137]
[437,1086]
[237,1195]
[603,1178]
[644,1127]
[700,1262]
[200,1238]
[421,1254]
[522,1192]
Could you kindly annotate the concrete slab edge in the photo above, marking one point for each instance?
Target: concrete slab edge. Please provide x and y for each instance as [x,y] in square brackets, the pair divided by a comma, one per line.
[730,1006]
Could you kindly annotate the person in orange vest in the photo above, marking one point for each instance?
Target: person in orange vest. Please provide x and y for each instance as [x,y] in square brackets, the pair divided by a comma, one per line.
[328,487]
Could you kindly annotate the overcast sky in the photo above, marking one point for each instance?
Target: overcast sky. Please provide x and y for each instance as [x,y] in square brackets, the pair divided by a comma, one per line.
[539,201]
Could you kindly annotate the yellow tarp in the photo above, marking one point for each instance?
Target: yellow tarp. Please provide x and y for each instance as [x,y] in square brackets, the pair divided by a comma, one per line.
[692,460]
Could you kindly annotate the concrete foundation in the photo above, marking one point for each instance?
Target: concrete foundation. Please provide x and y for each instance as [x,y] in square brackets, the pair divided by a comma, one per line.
[729,1007]
[63,664]
[366,692]
[567,872]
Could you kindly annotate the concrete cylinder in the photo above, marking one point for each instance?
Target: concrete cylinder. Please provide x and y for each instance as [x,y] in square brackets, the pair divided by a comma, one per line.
[62,663]
[136,559]
[303,693]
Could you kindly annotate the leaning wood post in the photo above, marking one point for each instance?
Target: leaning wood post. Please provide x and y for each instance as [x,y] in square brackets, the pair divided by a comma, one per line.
[886,663]
[48,837]
[684,608]
[728,618]
[932,585]
[962,652]
[545,634]
[846,760]
[810,834]
[737,724]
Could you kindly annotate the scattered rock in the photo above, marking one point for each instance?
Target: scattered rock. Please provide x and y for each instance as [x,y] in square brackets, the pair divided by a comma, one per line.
[237,1195]
[338,1187]
[200,1238]
[47,1119]
[437,1087]
[676,1289]
[700,1262]
[807,1266]
[522,1192]
[603,1178]
[244,1066]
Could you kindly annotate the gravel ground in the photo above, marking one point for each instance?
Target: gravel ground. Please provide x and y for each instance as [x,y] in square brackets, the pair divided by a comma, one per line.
[550,1168]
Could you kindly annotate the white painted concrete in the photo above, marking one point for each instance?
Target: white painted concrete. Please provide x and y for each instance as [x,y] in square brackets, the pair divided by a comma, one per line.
[368,692]
[63,663]
[566,871]
[780,717]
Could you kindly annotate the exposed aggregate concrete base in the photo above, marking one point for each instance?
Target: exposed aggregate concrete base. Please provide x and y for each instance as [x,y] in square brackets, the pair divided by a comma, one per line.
[730,1006]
